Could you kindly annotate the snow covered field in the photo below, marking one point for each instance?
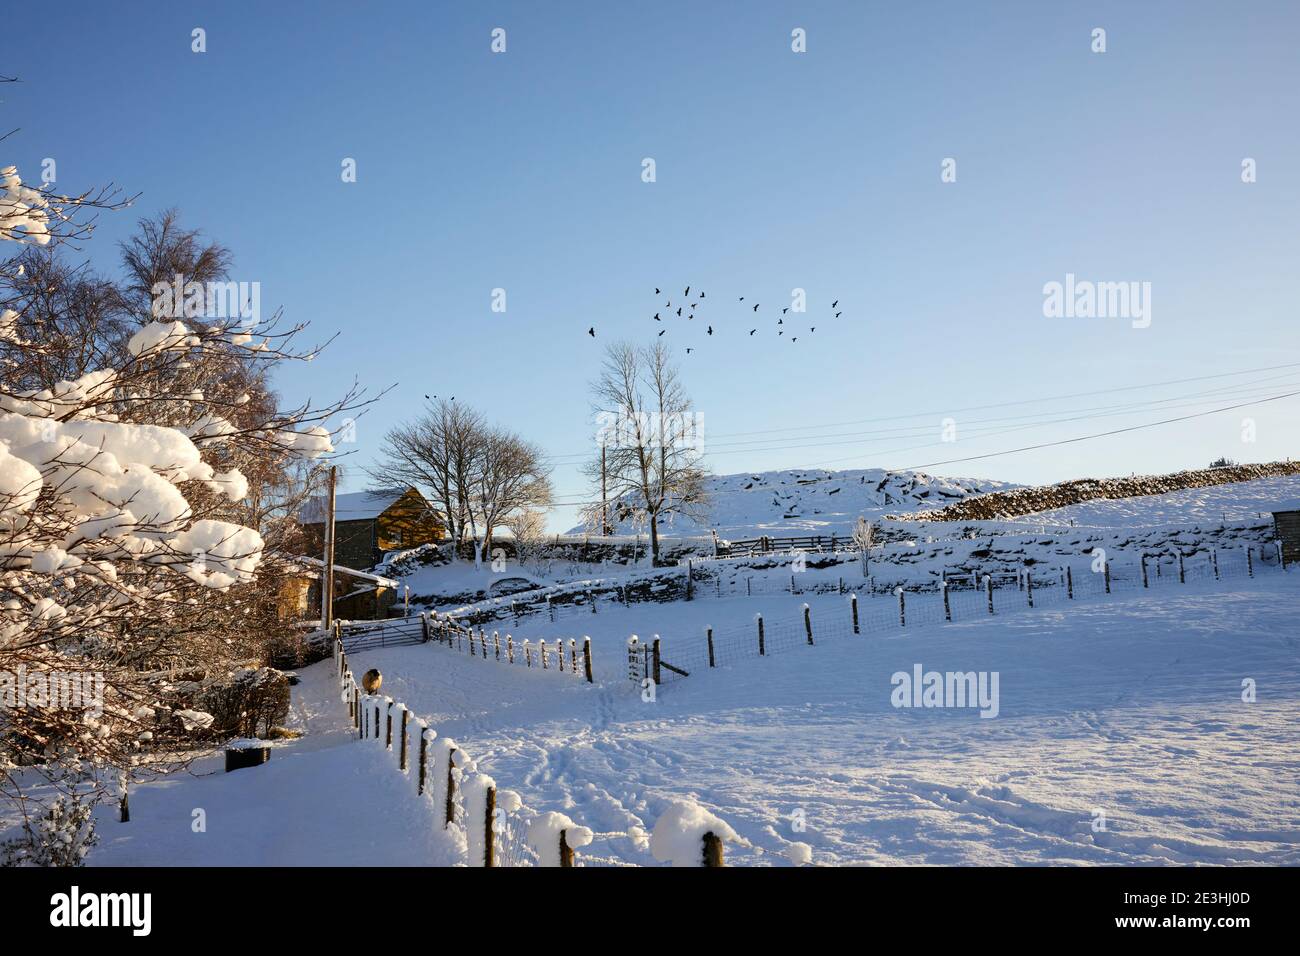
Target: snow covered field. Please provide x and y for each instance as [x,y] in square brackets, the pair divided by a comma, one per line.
[1129,707]
[1132,708]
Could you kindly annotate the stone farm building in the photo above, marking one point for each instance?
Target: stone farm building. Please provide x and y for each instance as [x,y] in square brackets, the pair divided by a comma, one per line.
[368,523]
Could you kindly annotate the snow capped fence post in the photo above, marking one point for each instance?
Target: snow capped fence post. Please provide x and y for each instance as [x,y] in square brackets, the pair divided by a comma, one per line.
[1029,587]
[510,649]
[424,626]
[762,650]
[708,636]
[586,658]
[528,652]
[376,719]
[566,851]
[542,650]
[686,834]
[1069,583]
[388,732]
[947,607]
[655,653]
[988,590]
[853,603]
[902,606]
[401,760]
[496,643]
[807,623]
[689,576]
[573,655]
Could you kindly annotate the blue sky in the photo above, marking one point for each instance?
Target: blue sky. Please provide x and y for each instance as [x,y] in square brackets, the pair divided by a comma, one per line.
[775,171]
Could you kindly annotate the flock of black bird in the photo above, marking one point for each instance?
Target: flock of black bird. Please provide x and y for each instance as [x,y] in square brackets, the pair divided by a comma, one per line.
[690,308]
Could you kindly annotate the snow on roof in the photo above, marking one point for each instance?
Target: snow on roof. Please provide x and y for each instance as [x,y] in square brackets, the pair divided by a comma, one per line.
[1278,506]
[356,506]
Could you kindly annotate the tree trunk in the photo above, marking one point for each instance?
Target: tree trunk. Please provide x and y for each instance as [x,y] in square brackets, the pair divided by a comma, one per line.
[654,539]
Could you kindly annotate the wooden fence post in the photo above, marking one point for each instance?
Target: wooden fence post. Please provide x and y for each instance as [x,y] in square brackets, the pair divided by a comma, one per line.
[1069,583]
[566,851]
[1250,562]
[1214,557]
[424,758]
[853,603]
[363,725]
[510,649]
[708,635]
[388,737]
[496,643]
[1029,587]
[762,648]
[1145,582]
[401,760]
[489,814]
[712,849]
[449,810]
[988,589]
[586,658]
[807,623]
[528,652]
[592,598]
[573,655]
[689,582]
[902,607]
[542,650]
[376,720]
[947,607]
[1105,567]
[655,652]
[1182,571]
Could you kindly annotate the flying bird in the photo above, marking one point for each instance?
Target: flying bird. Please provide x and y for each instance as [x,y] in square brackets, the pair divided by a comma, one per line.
[689,351]
[742,298]
[785,310]
[780,321]
[755,306]
[657,319]
[701,293]
[657,292]
[687,292]
[662,331]
[752,331]
[710,330]
[813,329]
[679,312]
[592,331]
[835,303]
[838,314]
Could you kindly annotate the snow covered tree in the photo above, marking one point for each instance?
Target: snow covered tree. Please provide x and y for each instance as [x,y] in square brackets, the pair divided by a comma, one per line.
[653,463]
[130,537]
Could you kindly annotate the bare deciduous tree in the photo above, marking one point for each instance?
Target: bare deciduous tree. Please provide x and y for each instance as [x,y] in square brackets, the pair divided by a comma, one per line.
[653,465]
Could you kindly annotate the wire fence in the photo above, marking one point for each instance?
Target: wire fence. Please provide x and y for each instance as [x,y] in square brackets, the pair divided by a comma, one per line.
[950,601]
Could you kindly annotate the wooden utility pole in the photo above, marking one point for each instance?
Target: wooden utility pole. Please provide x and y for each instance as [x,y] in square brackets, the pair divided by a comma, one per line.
[327,572]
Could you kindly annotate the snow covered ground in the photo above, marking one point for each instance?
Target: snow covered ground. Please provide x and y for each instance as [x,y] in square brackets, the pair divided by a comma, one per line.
[1131,709]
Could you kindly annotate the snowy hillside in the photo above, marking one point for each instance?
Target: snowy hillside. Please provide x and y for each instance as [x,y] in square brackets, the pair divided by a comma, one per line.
[817,501]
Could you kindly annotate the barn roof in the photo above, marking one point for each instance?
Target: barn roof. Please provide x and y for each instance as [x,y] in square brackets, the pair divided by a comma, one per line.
[1279,506]
[356,506]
